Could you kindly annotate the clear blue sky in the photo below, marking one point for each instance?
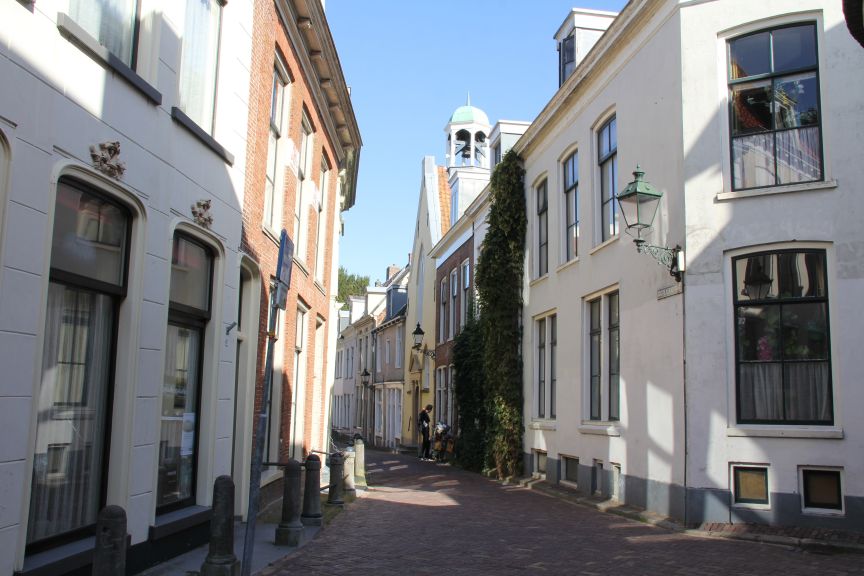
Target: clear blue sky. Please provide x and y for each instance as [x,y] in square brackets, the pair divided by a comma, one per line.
[410,64]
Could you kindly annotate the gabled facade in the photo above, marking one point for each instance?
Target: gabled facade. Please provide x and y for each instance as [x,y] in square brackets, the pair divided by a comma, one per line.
[725,397]
[433,221]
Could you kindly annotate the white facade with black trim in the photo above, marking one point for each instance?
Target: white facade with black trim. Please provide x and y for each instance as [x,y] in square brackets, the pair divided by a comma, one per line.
[728,397]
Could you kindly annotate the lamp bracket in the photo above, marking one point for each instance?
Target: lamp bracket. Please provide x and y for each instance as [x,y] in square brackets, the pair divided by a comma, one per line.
[666,257]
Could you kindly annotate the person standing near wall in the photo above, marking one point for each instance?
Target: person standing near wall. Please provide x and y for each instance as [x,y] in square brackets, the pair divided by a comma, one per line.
[423,421]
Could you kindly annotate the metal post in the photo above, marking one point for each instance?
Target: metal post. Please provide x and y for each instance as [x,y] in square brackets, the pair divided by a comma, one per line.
[337,473]
[290,529]
[349,471]
[221,560]
[312,492]
[360,463]
[109,556]
[258,442]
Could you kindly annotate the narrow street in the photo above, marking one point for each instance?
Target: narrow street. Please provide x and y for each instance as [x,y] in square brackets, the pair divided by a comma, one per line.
[423,518]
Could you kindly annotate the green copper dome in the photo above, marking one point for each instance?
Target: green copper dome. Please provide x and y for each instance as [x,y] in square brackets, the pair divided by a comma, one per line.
[469,114]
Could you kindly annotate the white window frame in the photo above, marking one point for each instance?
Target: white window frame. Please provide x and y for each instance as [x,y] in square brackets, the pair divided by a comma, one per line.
[321,235]
[304,178]
[541,203]
[442,311]
[610,159]
[823,511]
[274,180]
[768,483]
[604,418]
[570,247]
[454,291]
[398,359]
[206,120]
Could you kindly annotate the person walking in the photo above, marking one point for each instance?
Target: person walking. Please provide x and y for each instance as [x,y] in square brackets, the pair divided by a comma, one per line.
[424,421]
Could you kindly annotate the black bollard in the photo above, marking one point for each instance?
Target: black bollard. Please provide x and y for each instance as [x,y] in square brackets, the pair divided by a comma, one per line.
[349,472]
[109,557]
[290,529]
[312,492]
[337,473]
[221,560]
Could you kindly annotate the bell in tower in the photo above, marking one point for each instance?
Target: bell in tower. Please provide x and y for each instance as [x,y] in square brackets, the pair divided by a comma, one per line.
[466,137]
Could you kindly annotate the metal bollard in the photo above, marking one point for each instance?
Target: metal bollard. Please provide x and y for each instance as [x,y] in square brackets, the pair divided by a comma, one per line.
[109,557]
[349,471]
[290,529]
[221,560]
[311,515]
[360,463]
[337,472]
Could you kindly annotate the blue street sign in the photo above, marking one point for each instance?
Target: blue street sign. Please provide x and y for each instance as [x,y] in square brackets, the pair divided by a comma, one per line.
[283,269]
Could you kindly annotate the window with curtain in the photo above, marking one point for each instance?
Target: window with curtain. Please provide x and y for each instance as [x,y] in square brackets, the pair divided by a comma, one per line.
[113,23]
[272,188]
[89,257]
[199,60]
[571,205]
[188,313]
[774,112]
[542,230]
[304,173]
[607,158]
[782,341]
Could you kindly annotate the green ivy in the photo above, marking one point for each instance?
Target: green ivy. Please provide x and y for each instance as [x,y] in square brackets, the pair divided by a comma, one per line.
[469,391]
[499,284]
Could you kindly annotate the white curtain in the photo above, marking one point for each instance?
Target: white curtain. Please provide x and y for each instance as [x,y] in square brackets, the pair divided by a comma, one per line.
[111,22]
[806,397]
[198,61]
[73,411]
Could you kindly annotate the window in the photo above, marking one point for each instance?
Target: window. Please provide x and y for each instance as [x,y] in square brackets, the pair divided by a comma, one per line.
[567,57]
[607,158]
[553,373]
[542,230]
[199,60]
[188,313]
[821,489]
[379,353]
[541,368]
[782,340]
[454,291]
[571,208]
[298,384]
[273,190]
[442,316]
[321,236]
[466,293]
[571,469]
[387,353]
[604,363]
[114,23]
[750,484]
[540,459]
[774,112]
[89,256]
[304,173]
[400,330]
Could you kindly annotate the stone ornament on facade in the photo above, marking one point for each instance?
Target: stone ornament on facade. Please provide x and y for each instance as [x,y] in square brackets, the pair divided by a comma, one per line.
[106,159]
[201,213]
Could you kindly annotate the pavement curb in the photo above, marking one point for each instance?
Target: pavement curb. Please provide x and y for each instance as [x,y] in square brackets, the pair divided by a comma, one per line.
[610,507]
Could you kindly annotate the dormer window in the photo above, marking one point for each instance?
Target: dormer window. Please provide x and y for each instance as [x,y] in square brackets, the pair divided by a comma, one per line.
[567,57]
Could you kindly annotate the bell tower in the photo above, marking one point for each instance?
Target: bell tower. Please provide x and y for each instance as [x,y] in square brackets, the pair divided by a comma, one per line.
[468,162]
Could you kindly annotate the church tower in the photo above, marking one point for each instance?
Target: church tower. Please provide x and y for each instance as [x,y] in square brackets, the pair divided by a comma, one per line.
[468,163]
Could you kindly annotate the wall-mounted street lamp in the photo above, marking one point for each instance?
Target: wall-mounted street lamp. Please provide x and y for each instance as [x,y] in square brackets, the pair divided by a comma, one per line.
[639,202]
[418,342]
[364,377]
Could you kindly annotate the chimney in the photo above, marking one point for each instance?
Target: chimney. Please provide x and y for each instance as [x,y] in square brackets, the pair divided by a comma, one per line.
[392,270]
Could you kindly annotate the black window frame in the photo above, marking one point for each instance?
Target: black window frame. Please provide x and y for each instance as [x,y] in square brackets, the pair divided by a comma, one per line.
[196,319]
[602,160]
[542,229]
[772,76]
[613,332]
[117,294]
[780,302]
[736,493]
[807,502]
[570,168]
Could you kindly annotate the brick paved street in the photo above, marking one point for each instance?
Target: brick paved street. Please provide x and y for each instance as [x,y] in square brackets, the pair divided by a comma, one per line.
[422,518]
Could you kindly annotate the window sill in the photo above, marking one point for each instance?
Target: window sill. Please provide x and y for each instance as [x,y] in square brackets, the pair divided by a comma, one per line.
[767,431]
[568,264]
[804,187]
[599,428]
[543,425]
[302,266]
[822,512]
[178,520]
[604,244]
[269,233]
[181,118]
[60,559]
[750,506]
[75,34]
[538,280]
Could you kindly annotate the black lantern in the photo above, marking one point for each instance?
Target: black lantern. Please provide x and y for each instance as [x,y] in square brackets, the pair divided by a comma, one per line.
[418,336]
[364,377]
